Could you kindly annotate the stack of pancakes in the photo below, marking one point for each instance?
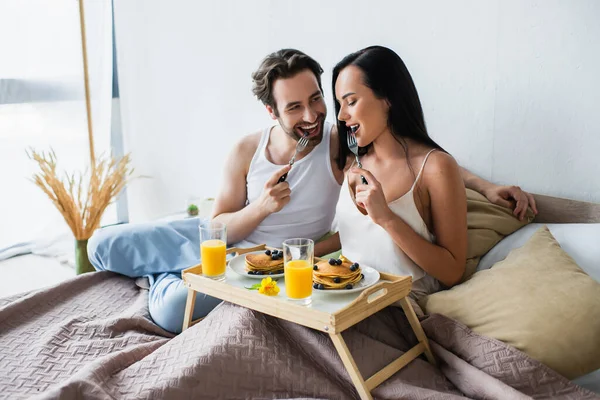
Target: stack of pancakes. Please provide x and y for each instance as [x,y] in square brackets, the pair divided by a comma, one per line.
[267,263]
[336,274]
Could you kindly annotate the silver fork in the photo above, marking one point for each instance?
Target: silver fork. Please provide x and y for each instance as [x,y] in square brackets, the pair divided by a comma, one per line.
[353,146]
[302,143]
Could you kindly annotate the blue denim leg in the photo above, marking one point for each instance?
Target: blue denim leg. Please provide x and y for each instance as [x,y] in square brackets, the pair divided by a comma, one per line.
[167,299]
[159,250]
[145,249]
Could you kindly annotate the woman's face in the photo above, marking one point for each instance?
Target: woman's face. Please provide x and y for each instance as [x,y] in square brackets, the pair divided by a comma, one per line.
[359,107]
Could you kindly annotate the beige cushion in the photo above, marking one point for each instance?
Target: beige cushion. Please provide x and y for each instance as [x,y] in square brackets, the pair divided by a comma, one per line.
[487,225]
[537,300]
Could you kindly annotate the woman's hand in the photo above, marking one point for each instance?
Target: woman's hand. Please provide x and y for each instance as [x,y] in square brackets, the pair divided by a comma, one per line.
[371,197]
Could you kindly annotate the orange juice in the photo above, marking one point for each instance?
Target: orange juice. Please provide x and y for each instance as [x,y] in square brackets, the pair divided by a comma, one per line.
[298,279]
[213,257]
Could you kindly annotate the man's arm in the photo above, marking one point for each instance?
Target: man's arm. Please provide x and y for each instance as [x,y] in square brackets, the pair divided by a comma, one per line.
[329,245]
[506,196]
[230,205]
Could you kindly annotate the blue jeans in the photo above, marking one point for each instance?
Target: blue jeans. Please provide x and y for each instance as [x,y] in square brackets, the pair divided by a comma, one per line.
[159,251]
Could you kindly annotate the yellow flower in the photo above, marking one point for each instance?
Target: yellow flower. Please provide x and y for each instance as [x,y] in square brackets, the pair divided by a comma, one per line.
[269,287]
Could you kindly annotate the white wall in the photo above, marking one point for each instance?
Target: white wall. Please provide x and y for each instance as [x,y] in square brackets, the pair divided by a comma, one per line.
[508,87]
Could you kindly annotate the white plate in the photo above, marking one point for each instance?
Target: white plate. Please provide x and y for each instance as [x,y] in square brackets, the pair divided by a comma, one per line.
[371,278]
[238,265]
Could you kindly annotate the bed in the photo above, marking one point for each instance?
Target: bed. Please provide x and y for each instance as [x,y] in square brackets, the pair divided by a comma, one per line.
[91,337]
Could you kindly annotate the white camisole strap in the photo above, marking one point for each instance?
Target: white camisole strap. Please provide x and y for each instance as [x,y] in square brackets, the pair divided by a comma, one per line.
[421,170]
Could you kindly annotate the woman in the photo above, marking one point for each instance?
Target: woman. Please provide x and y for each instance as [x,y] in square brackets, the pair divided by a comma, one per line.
[411,216]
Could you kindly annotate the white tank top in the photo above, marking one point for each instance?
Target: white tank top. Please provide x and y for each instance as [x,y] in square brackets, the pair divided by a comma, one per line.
[315,193]
[368,243]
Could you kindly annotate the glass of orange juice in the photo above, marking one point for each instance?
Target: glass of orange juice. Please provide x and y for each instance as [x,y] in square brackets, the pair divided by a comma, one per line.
[213,241]
[298,270]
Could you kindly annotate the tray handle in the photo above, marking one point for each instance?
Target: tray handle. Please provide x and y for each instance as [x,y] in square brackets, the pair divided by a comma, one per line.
[382,287]
[391,285]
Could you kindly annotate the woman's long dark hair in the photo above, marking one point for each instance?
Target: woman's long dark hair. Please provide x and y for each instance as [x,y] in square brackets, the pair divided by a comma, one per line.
[386,75]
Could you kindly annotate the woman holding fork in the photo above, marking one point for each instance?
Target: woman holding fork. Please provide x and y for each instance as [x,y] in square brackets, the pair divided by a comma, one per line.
[408,216]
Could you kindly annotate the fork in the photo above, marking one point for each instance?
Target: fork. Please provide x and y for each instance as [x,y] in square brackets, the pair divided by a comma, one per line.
[302,143]
[353,146]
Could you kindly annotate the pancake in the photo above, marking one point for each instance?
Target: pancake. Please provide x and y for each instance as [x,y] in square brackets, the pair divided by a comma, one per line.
[336,274]
[264,263]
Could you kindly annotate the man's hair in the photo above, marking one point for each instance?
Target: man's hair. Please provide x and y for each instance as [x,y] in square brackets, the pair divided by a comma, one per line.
[283,63]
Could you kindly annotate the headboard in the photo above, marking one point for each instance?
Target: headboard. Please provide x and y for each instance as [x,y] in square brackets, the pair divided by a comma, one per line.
[559,210]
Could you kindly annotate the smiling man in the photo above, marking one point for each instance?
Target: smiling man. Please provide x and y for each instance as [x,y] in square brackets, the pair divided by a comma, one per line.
[256,207]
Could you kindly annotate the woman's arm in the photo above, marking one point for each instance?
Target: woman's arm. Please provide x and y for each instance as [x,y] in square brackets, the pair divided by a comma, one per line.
[445,259]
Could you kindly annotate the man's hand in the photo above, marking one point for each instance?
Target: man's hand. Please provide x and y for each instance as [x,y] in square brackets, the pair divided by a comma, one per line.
[511,197]
[275,195]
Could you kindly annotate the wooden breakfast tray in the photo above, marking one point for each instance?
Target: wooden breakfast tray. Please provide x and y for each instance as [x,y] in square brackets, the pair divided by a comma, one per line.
[330,313]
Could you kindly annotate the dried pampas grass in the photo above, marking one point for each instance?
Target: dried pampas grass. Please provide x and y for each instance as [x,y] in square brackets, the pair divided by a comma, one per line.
[81,199]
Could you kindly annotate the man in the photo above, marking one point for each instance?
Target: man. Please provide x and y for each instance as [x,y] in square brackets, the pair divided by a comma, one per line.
[255,203]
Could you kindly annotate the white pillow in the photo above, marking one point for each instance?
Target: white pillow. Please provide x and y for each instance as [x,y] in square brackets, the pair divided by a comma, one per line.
[580,241]
[590,381]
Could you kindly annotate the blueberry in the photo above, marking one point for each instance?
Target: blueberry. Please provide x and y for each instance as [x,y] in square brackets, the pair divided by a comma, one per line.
[362,276]
[279,271]
[275,252]
[251,273]
[274,257]
[338,261]
[316,285]
[353,268]
[321,286]
[356,265]
[268,252]
[332,261]
[349,286]
[337,279]
[271,273]
[260,273]
[316,267]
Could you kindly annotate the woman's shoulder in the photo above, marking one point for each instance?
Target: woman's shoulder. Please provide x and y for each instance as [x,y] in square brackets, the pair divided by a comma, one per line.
[442,181]
[440,159]
[440,165]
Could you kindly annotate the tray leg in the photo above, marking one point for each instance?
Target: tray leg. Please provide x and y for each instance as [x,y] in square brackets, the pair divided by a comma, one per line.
[357,379]
[417,328]
[189,309]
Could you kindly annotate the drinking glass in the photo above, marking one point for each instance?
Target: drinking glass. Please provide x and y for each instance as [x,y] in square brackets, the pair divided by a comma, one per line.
[298,257]
[213,240]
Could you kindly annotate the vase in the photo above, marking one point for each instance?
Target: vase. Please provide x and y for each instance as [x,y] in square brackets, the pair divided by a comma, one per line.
[82,262]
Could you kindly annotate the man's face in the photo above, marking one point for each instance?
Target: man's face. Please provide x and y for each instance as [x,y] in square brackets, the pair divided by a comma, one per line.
[300,106]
